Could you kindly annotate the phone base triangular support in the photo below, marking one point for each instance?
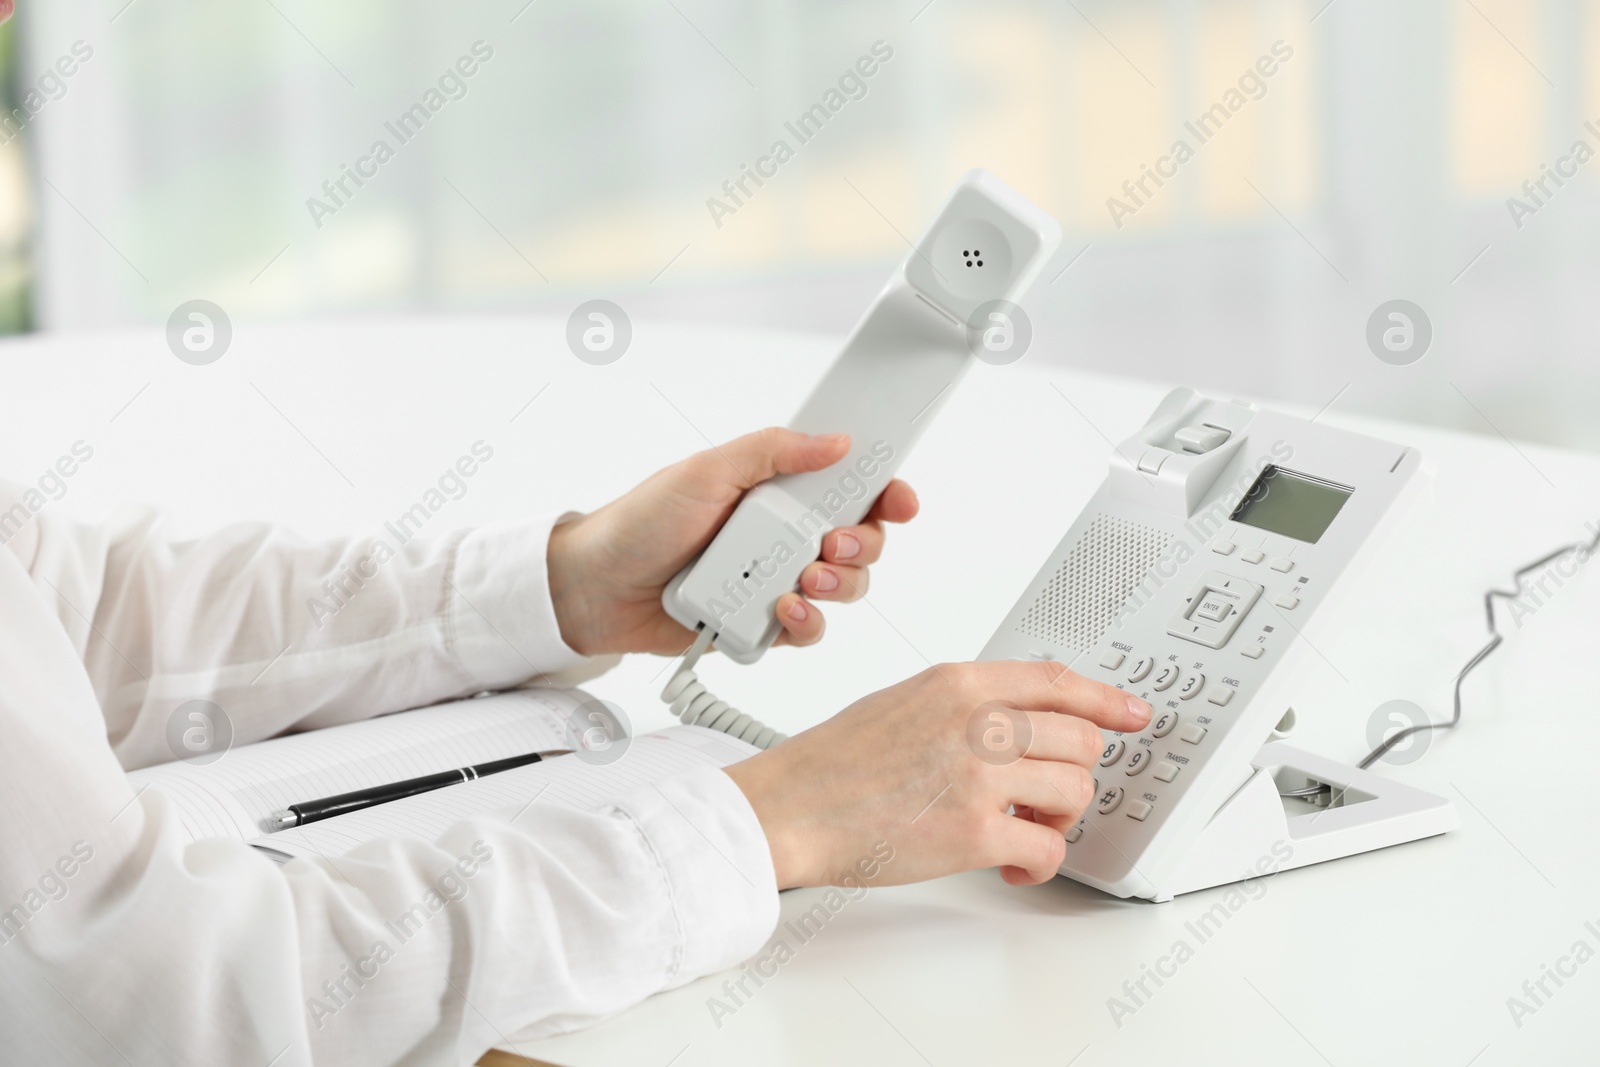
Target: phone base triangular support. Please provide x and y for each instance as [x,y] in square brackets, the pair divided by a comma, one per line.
[1256,832]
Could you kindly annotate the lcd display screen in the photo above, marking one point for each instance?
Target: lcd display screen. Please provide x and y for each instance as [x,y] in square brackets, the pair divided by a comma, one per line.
[1294,505]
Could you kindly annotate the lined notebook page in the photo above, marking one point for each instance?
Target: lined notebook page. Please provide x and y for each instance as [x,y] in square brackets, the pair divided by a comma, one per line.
[233,796]
[568,781]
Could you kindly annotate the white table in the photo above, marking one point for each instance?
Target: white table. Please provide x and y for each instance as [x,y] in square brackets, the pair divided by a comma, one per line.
[1406,956]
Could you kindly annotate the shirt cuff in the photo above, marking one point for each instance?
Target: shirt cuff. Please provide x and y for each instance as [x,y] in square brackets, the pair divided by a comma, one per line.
[503,624]
[714,856]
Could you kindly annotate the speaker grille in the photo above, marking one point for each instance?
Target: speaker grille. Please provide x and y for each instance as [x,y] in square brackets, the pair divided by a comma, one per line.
[1106,565]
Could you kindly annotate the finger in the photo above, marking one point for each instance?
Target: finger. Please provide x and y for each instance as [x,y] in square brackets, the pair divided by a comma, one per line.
[755,457]
[822,581]
[802,623]
[858,546]
[1059,823]
[1048,787]
[897,503]
[1026,852]
[1043,685]
[863,544]
[1063,738]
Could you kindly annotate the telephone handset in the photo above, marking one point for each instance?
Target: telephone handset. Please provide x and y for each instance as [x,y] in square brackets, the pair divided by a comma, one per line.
[895,372]
[1198,578]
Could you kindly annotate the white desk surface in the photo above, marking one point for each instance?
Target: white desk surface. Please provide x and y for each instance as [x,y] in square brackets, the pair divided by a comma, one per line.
[1406,956]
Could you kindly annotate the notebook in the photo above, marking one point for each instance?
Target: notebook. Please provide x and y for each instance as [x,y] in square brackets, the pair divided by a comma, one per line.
[235,795]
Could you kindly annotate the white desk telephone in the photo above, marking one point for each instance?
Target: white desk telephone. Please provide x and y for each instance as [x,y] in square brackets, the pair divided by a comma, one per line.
[1198,578]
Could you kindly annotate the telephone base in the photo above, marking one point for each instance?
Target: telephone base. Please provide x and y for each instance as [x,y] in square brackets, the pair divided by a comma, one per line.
[1256,833]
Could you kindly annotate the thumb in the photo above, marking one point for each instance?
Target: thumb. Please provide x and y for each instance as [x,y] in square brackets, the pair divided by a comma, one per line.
[756,457]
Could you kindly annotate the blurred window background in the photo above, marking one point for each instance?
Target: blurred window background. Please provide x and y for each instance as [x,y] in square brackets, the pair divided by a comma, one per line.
[535,154]
[16,201]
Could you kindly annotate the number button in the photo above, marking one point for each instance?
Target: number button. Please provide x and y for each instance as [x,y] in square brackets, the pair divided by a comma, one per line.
[1164,723]
[1112,753]
[1191,687]
[1108,800]
[1165,678]
[1141,669]
[1136,762]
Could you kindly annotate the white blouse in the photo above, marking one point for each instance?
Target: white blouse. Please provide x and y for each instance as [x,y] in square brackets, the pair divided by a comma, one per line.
[121,942]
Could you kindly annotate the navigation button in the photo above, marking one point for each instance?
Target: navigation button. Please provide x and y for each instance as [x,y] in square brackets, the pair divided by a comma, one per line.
[1213,609]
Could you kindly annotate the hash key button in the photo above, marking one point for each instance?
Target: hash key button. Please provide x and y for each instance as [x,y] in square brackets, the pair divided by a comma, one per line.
[1108,800]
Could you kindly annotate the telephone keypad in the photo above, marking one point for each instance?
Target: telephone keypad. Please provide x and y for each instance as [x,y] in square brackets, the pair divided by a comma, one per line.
[1160,672]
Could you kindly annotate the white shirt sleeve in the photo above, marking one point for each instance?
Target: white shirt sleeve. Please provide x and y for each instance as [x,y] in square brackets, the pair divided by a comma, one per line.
[121,941]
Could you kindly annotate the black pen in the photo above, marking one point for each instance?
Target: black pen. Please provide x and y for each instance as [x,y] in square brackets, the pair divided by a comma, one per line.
[326,808]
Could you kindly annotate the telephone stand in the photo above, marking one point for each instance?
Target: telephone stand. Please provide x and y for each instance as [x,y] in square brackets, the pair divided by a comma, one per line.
[1257,832]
